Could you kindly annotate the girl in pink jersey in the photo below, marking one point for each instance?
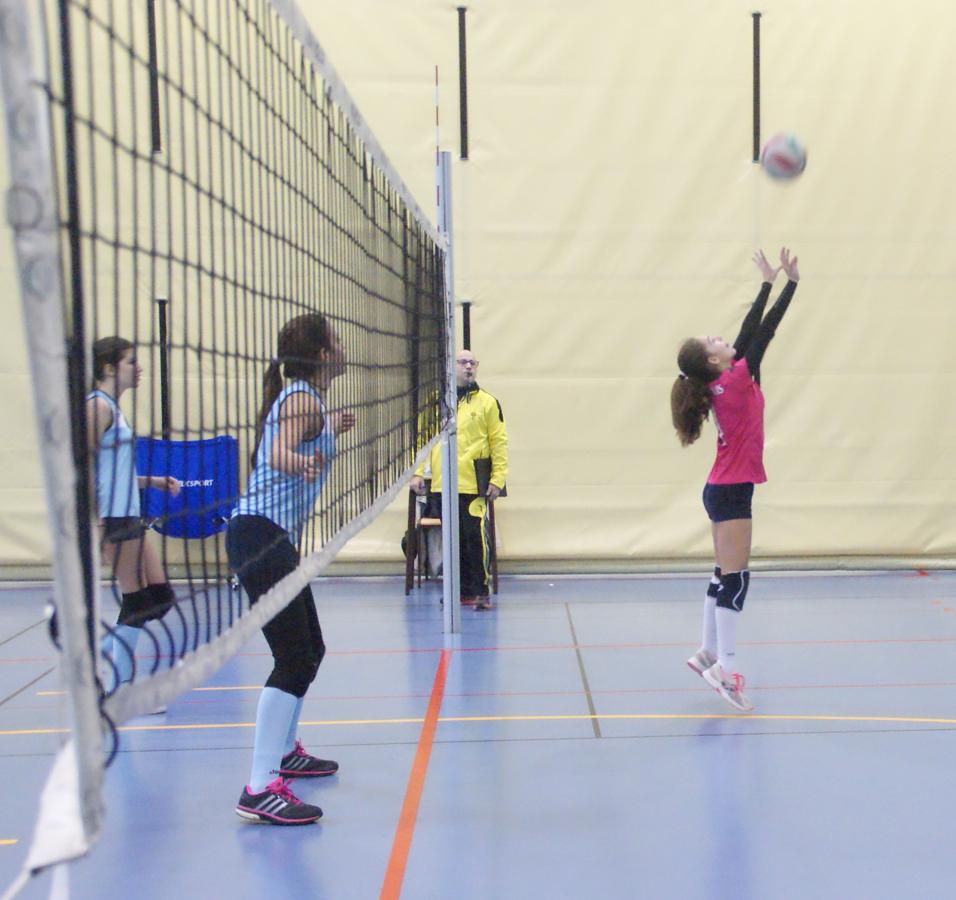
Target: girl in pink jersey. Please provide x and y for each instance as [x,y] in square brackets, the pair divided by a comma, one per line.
[724,380]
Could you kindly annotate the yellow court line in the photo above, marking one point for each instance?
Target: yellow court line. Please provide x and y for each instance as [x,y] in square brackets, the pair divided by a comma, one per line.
[203,726]
[8,842]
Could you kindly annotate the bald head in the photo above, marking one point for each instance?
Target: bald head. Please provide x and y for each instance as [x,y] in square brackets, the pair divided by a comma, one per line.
[466,368]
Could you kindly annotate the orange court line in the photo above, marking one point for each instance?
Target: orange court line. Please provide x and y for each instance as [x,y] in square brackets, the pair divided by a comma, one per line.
[405,830]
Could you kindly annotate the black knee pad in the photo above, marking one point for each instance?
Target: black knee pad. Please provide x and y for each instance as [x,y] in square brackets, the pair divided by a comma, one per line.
[733,590]
[163,599]
[315,662]
[714,585]
[135,608]
[140,607]
[295,676]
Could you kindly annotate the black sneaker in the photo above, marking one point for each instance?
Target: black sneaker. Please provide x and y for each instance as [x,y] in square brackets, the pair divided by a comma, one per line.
[299,764]
[276,804]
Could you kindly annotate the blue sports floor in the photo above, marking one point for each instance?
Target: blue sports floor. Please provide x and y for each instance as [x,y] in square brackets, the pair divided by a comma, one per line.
[574,755]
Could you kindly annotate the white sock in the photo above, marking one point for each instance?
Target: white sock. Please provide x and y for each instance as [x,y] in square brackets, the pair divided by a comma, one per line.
[727,639]
[276,709]
[709,631]
[709,638]
[122,652]
[293,727]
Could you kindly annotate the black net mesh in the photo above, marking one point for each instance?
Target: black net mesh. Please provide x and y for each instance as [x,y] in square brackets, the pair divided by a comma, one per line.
[212,192]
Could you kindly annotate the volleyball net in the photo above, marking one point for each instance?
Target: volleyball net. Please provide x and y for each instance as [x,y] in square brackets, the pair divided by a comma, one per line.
[191,176]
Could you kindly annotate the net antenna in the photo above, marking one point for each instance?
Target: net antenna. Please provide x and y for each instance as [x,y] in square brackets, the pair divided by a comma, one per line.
[208,155]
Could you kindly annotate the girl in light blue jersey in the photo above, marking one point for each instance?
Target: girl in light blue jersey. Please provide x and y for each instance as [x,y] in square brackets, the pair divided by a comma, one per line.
[135,561]
[295,444]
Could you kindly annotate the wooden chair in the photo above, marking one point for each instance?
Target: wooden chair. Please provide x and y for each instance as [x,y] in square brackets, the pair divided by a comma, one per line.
[416,545]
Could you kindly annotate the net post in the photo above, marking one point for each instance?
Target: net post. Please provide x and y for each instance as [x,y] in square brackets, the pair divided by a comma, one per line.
[33,216]
[162,314]
[451,580]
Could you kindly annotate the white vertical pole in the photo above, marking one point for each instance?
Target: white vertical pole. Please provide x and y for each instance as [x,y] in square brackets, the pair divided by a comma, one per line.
[32,215]
[451,582]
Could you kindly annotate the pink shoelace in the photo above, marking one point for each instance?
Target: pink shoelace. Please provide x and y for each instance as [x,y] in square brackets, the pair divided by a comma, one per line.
[280,787]
[298,750]
[738,682]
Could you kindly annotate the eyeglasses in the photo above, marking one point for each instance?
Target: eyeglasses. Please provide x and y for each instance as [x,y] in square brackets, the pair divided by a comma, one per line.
[467,362]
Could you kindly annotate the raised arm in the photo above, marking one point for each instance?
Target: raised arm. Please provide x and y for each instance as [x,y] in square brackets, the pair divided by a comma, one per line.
[768,326]
[749,327]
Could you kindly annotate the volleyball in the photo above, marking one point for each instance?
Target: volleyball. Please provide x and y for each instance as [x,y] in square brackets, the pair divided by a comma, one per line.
[783,157]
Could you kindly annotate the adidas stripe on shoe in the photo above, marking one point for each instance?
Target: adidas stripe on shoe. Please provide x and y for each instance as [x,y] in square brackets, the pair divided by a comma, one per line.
[276,805]
[729,686]
[300,764]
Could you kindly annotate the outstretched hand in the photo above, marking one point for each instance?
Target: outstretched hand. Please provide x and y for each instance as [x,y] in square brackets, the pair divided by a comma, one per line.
[768,272]
[789,265]
[313,466]
[166,483]
[417,485]
[342,420]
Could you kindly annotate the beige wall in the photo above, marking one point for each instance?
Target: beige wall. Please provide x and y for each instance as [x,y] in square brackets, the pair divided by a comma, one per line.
[609,209]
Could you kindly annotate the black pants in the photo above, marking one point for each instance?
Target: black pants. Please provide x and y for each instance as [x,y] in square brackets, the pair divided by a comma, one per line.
[261,554]
[473,541]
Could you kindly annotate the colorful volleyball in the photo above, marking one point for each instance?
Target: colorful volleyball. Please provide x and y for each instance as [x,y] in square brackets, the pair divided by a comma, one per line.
[783,157]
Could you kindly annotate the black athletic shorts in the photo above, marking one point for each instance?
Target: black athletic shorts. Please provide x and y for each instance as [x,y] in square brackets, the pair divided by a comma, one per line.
[117,529]
[724,502]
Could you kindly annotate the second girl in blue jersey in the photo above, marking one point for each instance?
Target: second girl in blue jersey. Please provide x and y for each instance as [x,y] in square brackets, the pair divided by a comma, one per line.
[295,445]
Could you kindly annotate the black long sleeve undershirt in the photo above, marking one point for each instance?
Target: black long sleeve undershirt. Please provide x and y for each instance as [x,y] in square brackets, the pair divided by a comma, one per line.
[749,326]
[767,328]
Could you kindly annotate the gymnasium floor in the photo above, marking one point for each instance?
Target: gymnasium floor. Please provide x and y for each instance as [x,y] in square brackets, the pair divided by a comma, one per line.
[574,754]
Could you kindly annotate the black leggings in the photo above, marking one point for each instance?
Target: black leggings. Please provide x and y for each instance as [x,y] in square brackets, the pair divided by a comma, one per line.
[261,554]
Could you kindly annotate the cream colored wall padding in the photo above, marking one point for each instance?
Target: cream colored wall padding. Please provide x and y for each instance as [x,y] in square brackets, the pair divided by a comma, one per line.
[610,208]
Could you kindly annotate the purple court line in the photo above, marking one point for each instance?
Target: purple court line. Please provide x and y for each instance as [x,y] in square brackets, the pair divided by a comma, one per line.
[924,685]
[644,645]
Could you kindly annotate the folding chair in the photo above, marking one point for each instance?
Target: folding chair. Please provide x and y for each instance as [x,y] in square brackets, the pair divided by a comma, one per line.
[209,472]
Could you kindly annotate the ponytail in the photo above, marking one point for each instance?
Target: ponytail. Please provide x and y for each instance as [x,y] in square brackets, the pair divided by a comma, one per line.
[690,395]
[271,388]
[298,356]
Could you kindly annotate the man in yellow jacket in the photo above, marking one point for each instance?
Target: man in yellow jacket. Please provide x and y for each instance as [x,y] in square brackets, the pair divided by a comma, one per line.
[482,470]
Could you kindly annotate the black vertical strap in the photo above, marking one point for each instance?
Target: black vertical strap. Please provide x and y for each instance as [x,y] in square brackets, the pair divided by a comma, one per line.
[76,341]
[462,82]
[162,314]
[154,121]
[466,324]
[756,18]
[167,174]
[412,297]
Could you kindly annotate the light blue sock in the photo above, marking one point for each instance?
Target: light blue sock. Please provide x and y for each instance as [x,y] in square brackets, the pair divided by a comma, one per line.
[294,727]
[123,650]
[273,718]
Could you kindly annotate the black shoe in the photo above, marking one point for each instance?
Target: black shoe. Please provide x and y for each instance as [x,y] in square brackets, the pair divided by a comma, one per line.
[299,764]
[276,805]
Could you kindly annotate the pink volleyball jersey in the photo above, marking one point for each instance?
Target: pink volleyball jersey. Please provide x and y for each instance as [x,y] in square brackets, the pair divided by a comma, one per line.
[737,409]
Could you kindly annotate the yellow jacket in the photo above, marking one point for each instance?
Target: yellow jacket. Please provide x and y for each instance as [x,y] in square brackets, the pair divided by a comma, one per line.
[481,435]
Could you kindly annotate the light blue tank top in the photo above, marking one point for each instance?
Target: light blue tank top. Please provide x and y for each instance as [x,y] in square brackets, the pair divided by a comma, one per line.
[287,500]
[117,488]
